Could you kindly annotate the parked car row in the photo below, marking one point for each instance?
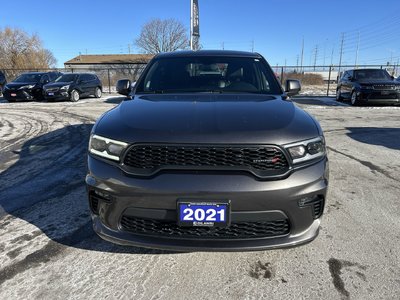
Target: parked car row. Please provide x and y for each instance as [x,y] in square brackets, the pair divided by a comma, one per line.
[368,86]
[51,86]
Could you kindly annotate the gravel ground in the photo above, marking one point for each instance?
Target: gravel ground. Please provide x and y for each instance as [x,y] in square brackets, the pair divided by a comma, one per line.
[49,251]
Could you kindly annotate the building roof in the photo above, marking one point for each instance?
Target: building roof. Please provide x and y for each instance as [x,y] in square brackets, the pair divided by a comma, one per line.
[109,59]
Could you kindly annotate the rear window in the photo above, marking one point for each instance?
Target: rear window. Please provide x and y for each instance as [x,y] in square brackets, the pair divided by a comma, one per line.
[209,74]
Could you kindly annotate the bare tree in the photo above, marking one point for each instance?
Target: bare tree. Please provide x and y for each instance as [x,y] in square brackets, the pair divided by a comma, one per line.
[162,36]
[19,50]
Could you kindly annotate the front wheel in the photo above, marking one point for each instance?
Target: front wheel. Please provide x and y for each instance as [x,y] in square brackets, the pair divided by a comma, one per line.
[74,96]
[97,92]
[354,99]
[339,95]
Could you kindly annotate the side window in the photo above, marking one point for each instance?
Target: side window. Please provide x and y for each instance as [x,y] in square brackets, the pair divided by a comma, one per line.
[86,77]
[45,79]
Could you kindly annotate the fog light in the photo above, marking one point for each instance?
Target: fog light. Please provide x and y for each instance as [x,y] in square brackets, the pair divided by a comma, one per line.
[104,196]
[316,203]
[307,201]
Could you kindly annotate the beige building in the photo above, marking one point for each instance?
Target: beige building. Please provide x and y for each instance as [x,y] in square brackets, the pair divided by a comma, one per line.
[105,61]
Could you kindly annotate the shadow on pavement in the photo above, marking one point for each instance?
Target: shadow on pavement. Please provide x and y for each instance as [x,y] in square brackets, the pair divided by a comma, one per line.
[387,137]
[46,188]
[319,101]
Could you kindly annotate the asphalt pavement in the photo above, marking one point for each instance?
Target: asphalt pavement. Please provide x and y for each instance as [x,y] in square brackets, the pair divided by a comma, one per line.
[48,249]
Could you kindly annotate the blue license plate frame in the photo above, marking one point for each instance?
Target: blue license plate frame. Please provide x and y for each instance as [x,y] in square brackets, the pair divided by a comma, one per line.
[204,208]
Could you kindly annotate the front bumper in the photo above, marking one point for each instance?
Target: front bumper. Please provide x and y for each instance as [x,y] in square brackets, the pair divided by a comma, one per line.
[18,95]
[56,95]
[251,200]
[379,96]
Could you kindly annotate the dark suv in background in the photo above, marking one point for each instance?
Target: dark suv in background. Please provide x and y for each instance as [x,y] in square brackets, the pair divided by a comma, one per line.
[73,86]
[3,81]
[28,86]
[365,86]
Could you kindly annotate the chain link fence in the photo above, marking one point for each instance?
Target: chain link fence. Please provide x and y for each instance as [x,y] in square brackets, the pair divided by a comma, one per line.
[315,80]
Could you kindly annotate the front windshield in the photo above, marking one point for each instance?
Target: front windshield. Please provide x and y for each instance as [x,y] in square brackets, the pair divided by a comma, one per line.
[34,78]
[67,78]
[377,74]
[209,74]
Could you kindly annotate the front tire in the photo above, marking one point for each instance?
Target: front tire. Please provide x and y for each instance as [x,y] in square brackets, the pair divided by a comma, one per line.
[339,97]
[97,92]
[354,99]
[74,96]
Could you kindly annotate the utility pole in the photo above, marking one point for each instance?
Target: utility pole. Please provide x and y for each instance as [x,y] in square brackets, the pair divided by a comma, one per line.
[302,56]
[223,45]
[252,46]
[315,55]
[333,48]
[358,44]
[326,41]
[129,48]
[191,25]
[194,25]
[341,52]
[297,63]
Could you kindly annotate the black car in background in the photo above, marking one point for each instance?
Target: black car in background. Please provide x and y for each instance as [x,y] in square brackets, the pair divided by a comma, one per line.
[28,86]
[365,86]
[3,82]
[73,86]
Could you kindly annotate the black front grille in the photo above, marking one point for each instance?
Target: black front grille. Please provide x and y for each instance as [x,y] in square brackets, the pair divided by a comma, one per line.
[150,158]
[52,90]
[242,230]
[384,87]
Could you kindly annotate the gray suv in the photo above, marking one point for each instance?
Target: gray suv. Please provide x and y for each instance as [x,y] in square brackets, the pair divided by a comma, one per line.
[207,152]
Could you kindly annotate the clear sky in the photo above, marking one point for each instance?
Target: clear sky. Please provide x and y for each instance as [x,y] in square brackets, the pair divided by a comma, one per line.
[274,28]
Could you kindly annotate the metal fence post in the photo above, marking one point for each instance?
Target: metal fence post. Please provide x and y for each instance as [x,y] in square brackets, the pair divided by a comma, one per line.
[281,75]
[109,81]
[329,80]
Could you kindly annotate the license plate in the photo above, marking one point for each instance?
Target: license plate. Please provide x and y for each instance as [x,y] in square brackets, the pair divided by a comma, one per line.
[205,214]
[13,95]
[50,94]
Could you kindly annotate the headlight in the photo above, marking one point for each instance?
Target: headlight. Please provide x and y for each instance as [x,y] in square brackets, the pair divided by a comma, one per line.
[64,88]
[106,148]
[307,150]
[30,86]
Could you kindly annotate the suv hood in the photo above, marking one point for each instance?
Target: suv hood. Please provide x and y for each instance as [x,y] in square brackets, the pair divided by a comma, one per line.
[17,85]
[208,118]
[57,84]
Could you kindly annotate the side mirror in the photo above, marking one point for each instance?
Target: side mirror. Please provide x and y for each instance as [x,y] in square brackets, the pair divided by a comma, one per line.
[124,87]
[292,87]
